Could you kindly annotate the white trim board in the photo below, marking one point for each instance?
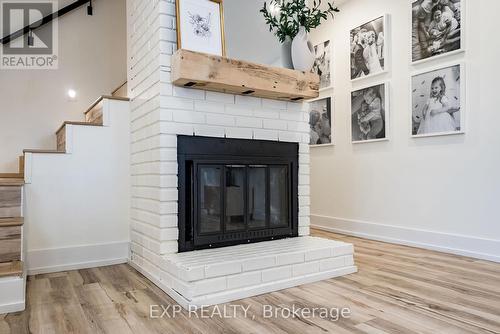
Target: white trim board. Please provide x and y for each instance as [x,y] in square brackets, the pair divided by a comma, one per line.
[43,261]
[480,248]
[12,293]
[13,307]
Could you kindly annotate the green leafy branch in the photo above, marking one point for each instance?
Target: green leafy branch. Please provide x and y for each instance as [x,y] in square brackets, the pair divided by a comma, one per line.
[293,14]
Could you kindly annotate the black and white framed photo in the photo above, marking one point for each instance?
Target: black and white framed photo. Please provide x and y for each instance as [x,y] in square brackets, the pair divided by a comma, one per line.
[323,64]
[437,29]
[320,122]
[438,101]
[370,114]
[369,48]
[200,26]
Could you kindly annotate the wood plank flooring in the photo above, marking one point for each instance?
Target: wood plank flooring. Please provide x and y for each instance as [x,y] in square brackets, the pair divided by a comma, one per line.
[398,289]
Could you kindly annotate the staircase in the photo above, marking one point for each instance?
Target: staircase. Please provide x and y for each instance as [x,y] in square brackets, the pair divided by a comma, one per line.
[11,224]
[11,246]
[12,197]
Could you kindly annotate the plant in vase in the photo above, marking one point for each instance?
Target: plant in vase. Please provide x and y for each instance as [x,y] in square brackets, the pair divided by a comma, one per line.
[292,20]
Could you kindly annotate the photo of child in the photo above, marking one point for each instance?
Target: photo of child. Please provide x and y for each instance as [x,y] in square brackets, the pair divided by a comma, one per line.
[436,99]
[436,28]
[369,114]
[320,122]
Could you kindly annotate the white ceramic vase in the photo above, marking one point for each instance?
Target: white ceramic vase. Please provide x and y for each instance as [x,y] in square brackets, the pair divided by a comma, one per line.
[302,51]
[286,53]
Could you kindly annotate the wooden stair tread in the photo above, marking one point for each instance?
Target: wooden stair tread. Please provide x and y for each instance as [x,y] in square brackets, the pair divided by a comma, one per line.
[75,123]
[11,176]
[102,97]
[111,97]
[11,181]
[7,222]
[14,268]
[43,151]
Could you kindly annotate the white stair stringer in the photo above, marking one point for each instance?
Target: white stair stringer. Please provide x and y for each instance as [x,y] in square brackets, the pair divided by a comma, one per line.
[77,204]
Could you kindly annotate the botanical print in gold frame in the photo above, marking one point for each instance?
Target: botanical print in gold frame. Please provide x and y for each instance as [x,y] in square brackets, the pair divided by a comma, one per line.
[195,30]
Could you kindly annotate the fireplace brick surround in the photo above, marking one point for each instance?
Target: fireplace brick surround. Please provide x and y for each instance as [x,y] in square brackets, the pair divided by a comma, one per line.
[160,112]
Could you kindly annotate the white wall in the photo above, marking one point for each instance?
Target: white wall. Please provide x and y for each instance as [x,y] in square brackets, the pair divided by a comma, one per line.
[92,60]
[440,192]
[77,205]
[247,35]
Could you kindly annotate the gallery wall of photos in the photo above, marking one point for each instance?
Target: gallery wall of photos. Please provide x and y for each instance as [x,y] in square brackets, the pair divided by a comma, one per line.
[437,92]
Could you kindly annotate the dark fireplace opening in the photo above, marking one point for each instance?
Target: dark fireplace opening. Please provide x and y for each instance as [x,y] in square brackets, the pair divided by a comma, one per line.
[234,191]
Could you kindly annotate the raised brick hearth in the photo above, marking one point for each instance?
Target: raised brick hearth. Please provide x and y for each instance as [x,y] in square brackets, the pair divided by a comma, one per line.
[221,275]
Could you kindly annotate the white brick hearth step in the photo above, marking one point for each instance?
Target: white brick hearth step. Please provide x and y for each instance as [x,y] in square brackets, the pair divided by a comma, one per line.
[213,276]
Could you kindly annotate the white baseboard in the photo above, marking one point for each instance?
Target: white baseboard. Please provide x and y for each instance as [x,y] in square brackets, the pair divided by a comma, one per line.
[43,261]
[12,292]
[480,248]
[11,308]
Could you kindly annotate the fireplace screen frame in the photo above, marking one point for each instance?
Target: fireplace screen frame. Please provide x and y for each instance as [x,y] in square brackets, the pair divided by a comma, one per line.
[195,151]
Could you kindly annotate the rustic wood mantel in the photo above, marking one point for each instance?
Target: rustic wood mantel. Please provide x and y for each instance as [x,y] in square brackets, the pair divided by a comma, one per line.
[214,73]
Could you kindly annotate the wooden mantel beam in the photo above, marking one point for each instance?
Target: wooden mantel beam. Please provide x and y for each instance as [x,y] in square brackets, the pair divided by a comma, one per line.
[214,73]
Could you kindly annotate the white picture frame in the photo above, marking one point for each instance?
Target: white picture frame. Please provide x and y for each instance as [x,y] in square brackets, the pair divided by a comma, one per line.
[417,77]
[463,33]
[319,64]
[371,25]
[200,26]
[330,104]
[386,115]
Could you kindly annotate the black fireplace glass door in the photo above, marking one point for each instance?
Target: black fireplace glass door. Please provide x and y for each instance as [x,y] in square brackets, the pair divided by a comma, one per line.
[257,197]
[236,191]
[278,181]
[235,198]
[210,199]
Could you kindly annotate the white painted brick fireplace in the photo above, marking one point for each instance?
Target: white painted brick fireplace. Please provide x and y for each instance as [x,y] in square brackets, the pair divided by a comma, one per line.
[160,112]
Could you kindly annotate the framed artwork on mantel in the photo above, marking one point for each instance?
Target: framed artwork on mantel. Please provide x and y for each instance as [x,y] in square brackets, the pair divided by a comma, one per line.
[200,26]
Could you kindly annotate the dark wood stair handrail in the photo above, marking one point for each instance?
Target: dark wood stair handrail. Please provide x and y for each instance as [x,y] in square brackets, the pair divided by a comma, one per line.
[43,21]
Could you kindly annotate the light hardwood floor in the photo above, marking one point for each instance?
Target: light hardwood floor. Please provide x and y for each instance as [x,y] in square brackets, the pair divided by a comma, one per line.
[398,289]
